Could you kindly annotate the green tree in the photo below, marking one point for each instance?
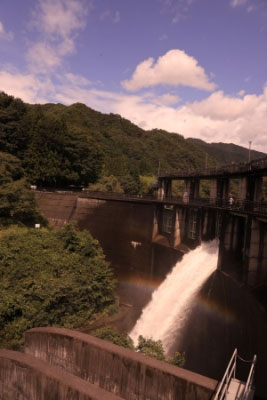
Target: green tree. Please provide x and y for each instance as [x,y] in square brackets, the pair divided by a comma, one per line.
[178,359]
[17,202]
[151,348]
[106,184]
[147,185]
[50,278]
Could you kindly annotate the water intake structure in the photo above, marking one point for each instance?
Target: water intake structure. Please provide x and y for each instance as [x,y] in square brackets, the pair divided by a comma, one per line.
[165,315]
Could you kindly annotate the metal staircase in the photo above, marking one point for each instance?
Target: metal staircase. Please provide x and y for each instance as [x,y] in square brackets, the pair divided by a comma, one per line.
[231,388]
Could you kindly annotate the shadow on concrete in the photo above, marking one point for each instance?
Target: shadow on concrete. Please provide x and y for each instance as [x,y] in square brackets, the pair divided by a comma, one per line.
[225,316]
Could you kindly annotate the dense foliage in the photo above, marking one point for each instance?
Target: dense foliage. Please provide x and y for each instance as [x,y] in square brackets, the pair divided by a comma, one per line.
[61,145]
[50,279]
[74,145]
[17,203]
[50,152]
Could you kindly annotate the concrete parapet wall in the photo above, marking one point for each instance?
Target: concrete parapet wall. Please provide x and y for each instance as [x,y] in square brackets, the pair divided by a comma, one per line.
[117,370]
[22,377]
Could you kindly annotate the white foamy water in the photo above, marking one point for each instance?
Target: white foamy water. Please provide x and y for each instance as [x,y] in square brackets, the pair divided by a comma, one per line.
[166,313]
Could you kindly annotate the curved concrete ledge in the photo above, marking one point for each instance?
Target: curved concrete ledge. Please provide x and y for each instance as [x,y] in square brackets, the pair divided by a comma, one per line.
[24,377]
[114,368]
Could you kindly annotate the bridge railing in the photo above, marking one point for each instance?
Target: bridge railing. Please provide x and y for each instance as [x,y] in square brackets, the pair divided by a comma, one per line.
[117,196]
[238,204]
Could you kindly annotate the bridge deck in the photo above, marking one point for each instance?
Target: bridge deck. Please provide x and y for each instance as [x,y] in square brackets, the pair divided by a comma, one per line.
[241,206]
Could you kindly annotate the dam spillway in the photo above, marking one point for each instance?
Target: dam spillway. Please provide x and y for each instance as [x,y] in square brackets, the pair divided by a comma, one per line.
[166,313]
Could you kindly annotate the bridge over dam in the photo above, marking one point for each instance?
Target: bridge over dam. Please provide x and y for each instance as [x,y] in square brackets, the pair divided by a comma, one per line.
[150,233]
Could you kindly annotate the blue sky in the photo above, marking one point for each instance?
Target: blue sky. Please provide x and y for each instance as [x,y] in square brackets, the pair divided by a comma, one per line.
[196,67]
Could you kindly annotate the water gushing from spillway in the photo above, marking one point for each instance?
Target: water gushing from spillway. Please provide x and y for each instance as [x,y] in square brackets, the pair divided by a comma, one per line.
[165,315]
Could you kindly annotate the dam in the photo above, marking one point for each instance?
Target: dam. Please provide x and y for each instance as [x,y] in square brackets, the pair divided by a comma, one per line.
[148,236]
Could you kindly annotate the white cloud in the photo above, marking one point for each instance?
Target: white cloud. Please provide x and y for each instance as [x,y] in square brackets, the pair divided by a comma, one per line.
[76,80]
[4,34]
[168,99]
[217,118]
[59,17]
[25,86]
[174,68]
[43,57]
[218,106]
[177,8]
[57,22]
[236,3]
[115,17]
[164,36]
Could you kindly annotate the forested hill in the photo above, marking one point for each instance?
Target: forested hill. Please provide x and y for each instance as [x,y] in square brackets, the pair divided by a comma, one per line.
[225,153]
[63,145]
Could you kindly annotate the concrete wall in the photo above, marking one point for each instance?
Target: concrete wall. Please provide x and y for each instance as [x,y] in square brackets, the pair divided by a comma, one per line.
[124,229]
[256,252]
[129,232]
[22,377]
[120,371]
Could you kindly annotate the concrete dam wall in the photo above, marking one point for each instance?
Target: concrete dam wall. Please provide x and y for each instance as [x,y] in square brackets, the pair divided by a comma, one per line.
[115,369]
[23,377]
[60,364]
[127,231]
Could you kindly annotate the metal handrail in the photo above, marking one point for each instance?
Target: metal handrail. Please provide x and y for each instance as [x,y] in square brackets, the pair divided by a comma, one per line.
[229,373]
[250,378]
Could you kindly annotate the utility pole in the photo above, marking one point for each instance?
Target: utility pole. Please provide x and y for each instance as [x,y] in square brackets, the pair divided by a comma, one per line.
[249,150]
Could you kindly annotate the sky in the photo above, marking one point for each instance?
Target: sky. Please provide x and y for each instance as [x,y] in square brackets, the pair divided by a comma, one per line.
[194,67]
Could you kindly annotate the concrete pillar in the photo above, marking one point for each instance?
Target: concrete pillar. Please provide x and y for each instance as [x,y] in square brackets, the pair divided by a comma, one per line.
[176,233]
[264,252]
[191,191]
[223,189]
[258,189]
[155,228]
[253,253]
[213,190]
[187,188]
[182,222]
[205,223]
[168,188]
[161,189]
[242,189]
[228,230]
[196,189]
[164,188]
